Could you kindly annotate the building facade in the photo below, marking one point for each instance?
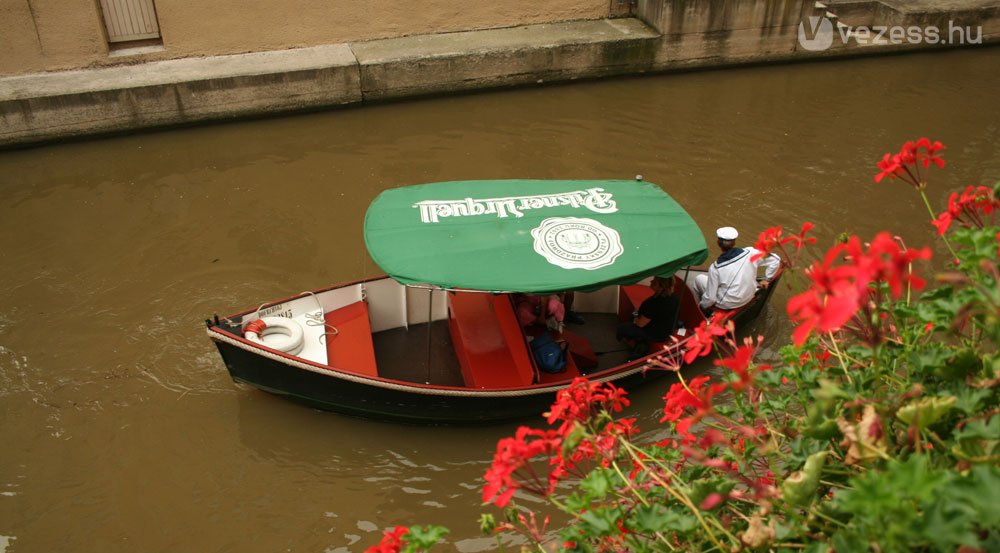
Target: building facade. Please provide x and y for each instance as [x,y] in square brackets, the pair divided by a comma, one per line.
[52,35]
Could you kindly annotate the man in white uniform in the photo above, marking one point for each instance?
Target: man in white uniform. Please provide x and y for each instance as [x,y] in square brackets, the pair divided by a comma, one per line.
[731,281]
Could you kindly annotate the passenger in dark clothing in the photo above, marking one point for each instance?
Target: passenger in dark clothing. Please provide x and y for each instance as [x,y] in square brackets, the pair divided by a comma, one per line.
[656,321]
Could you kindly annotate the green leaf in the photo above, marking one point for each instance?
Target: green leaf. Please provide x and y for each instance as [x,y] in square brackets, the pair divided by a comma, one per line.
[829,391]
[800,488]
[577,502]
[597,484]
[946,524]
[657,518]
[601,521]
[925,412]
[890,506]
[820,422]
[930,359]
[423,537]
[978,438]
[970,400]
[825,429]
[984,489]
[848,541]
[680,522]
[940,306]
[985,244]
[648,518]
[964,363]
[818,547]
[962,507]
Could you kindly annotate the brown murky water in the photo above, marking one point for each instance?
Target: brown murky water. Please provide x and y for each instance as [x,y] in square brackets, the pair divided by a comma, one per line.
[121,430]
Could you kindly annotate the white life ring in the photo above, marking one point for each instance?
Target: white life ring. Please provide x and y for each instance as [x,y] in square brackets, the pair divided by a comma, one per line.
[280,333]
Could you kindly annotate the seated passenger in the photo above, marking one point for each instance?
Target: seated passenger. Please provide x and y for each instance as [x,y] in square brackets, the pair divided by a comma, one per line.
[655,320]
[539,313]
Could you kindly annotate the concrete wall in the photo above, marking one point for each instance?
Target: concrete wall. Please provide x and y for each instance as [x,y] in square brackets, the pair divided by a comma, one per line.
[715,33]
[700,33]
[47,35]
[674,17]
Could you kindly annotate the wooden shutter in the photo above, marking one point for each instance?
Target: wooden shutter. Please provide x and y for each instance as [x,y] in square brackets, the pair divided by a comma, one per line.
[130,20]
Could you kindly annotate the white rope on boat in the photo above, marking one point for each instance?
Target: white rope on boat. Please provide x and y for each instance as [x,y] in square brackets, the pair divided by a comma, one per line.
[318,319]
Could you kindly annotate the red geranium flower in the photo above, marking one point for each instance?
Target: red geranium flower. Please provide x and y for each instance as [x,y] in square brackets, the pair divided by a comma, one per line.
[905,165]
[767,241]
[680,396]
[890,166]
[704,335]
[514,454]
[774,237]
[830,302]
[739,362]
[582,399]
[800,239]
[969,209]
[930,152]
[894,263]
[392,541]
[841,283]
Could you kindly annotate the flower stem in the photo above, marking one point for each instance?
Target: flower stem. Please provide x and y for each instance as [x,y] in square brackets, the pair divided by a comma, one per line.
[684,500]
[840,357]
[930,210]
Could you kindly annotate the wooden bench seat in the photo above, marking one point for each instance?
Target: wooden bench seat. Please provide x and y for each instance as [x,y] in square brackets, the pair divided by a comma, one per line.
[350,348]
[488,342]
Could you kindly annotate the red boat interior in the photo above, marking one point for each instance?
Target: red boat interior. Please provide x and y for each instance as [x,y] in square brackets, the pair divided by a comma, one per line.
[481,345]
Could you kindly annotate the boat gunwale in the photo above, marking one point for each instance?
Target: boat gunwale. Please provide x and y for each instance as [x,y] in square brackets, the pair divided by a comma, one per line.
[608,375]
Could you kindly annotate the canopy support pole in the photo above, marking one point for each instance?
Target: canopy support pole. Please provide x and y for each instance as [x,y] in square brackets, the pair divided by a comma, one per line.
[430,317]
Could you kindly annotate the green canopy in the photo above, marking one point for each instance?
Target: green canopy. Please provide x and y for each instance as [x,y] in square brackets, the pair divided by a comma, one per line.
[534,236]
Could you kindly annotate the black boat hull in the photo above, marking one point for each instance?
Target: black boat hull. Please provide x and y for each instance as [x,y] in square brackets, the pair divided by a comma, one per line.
[394,401]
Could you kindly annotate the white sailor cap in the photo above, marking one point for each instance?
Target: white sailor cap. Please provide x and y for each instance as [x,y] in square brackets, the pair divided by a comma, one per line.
[727,233]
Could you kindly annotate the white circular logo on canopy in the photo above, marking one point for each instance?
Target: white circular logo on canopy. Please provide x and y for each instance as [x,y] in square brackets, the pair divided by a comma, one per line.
[577,243]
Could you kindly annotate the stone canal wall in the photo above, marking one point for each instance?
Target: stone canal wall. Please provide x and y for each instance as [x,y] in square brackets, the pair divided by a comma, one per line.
[656,36]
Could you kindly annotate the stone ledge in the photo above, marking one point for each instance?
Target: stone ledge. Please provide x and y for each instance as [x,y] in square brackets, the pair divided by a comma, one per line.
[35,108]
[50,106]
[161,73]
[435,64]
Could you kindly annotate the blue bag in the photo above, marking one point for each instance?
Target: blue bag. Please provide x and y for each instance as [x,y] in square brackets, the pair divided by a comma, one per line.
[549,355]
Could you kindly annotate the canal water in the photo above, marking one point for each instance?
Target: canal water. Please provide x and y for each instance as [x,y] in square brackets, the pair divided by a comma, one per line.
[119,426]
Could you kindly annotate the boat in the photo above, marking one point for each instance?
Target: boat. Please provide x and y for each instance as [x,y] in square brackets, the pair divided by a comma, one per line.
[436,339]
